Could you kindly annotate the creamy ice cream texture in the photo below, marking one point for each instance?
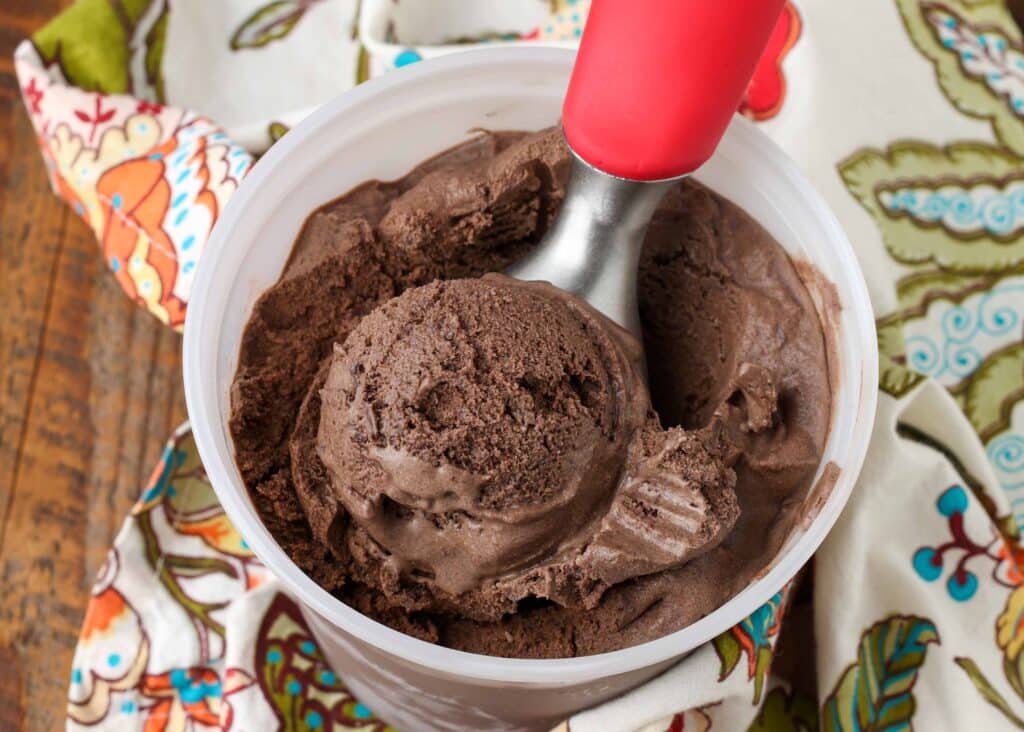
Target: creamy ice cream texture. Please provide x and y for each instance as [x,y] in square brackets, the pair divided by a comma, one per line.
[493,441]
[478,461]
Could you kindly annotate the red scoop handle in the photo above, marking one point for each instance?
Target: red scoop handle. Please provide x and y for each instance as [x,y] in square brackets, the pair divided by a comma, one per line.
[657,81]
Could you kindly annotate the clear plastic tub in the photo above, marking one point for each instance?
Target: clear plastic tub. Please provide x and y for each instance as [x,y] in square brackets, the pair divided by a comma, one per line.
[380,130]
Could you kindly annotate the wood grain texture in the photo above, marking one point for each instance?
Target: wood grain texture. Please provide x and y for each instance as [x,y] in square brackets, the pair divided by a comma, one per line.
[90,388]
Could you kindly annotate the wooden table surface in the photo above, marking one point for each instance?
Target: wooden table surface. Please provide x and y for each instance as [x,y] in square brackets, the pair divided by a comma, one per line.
[90,387]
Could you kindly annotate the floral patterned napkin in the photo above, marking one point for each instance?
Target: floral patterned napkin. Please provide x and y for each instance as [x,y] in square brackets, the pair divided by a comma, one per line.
[913,614]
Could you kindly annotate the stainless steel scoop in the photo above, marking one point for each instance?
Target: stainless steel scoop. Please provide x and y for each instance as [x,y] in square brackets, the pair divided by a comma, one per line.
[654,87]
[593,248]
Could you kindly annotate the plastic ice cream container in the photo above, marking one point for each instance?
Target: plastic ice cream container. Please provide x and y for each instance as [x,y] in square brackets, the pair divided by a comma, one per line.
[381,130]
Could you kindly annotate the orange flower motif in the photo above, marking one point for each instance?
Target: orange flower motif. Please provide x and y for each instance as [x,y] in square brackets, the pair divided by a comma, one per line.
[135,196]
[183,695]
[217,532]
[103,610]
[1009,560]
[253,579]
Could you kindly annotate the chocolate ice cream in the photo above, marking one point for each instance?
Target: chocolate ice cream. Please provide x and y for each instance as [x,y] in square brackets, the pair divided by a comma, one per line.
[478,462]
[493,440]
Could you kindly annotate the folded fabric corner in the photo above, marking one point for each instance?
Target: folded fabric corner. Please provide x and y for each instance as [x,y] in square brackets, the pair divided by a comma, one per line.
[148,179]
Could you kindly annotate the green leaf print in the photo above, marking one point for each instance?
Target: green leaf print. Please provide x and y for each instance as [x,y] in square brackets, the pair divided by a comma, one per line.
[782,712]
[919,288]
[976,51]
[916,293]
[362,65]
[988,692]
[752,638]
[949,205]
[293,676]
[269,23]
[990,394]
[875,692]
[276,130]
[990,391]
[89,41]
[363,57]
[133,10]
[92,43]
[729,653]
[894,378]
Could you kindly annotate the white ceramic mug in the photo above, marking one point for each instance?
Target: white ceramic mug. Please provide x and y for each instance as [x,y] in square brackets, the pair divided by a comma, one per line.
[381,130]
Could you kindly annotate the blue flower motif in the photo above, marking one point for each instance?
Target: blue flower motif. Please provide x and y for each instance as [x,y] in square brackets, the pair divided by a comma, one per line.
[953,500]
[406,57]
[962,585]
[927,563]
[191,688]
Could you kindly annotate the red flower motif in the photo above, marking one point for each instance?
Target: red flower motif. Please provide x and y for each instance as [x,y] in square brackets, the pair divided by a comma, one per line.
[149,108]
[767,91]
[34,95]
[98,116]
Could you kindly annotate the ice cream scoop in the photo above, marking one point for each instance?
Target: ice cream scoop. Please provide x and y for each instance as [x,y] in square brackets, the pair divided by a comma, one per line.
[653,89]
[492,441]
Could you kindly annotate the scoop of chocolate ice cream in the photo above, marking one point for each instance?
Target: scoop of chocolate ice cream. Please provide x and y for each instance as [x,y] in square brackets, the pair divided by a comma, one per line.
[493,440]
